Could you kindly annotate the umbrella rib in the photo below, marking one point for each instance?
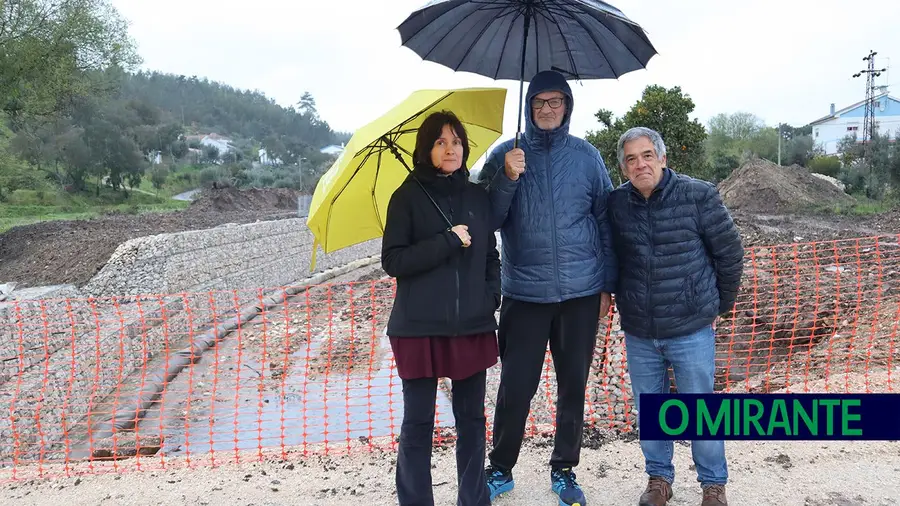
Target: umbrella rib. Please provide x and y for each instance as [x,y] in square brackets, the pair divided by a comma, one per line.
[634,26]
[537,41]
[425,26]
[338,194]
[630,23]
[515,11]
[438,43]
[396,130]
[404,150]
[374,195]
[404,122]
[596,43]
[552,7]
[476,39]
[608,13]
[550,15]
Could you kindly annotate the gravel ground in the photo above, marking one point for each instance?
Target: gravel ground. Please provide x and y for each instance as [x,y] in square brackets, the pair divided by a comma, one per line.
[774,473]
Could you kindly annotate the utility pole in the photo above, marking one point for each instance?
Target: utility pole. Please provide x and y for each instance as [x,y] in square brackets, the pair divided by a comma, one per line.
[869,123]
[779,144]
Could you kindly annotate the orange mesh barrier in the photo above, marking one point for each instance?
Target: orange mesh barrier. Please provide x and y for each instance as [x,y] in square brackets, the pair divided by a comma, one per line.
[246,375]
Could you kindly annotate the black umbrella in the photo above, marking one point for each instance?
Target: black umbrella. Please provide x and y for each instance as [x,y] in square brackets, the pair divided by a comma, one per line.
[509,39]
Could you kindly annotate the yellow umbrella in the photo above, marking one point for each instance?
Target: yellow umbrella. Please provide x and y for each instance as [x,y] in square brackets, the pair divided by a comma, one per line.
[351,198]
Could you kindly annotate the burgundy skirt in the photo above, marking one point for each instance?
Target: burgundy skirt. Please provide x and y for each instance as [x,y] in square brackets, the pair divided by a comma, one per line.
[456,358]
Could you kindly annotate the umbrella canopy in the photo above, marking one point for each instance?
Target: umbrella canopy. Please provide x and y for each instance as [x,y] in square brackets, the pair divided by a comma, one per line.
[351,198]
[511,39]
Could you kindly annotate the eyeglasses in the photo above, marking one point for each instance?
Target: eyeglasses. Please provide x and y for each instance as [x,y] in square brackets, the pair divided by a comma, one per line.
[555,102]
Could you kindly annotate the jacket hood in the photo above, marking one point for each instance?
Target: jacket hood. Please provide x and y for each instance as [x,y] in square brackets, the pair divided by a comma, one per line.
[548,80]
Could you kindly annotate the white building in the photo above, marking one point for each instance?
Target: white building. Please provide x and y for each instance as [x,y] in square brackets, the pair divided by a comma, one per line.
[829,130]
[265,160]
[333,149]
[221,143]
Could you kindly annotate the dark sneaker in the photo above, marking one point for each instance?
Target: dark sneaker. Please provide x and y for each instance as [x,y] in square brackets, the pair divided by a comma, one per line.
[657,493]
[563,484]
[714,495]
[498,482]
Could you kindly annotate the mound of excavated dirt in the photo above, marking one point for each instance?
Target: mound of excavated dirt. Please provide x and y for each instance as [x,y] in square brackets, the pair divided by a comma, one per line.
[888,221]
[760,186]
[253,199]
[63,252]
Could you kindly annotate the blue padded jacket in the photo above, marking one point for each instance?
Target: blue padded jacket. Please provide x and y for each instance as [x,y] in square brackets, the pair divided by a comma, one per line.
[681,257]
[556,238]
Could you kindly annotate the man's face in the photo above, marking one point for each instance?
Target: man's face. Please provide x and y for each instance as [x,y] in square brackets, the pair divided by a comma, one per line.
[642,167]
[548,109]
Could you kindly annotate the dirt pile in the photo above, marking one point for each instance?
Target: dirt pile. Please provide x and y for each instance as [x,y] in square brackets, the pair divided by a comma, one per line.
[760,186]
[60,252]
[223,200]
[888,221]
[765,230]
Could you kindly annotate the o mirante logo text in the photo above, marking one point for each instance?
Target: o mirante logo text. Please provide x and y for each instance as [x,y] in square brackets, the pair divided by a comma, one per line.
[770,416]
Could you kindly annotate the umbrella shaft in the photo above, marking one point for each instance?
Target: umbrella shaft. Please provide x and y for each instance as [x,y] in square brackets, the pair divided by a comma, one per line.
[522,72]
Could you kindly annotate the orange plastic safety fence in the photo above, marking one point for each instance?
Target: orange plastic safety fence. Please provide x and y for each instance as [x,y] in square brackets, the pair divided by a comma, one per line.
[292,371]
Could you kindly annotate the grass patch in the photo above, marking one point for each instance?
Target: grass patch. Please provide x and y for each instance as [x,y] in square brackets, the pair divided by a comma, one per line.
[25,207]
[871,207]
[863,206]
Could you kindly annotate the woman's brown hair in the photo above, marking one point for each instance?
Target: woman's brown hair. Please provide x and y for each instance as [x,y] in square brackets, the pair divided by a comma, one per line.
[430,132]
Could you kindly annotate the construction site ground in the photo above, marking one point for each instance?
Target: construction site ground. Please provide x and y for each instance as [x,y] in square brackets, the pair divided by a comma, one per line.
[72,251]
[806,473]
[63,252]
[769,205]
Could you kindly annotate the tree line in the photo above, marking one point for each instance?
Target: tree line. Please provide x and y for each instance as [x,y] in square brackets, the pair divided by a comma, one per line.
[714,150]
[76,114]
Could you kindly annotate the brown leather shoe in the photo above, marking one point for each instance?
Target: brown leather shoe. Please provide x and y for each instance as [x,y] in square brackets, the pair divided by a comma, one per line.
[714,495]
[657,493]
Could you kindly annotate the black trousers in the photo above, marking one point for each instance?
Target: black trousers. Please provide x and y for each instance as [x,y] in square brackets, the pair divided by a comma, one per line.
[413,475]
[525,328]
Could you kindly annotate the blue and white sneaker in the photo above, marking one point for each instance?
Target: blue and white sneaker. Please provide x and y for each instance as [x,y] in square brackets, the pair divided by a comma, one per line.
[563,484]
[498,482]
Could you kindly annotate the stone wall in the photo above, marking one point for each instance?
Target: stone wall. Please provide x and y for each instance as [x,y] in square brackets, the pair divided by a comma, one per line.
[255,255]
[63,352]
[35,323]
[49,390]
[612,405]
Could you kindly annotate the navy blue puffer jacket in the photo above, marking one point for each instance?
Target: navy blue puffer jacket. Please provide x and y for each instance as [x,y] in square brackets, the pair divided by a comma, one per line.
[680,253]
[552,221]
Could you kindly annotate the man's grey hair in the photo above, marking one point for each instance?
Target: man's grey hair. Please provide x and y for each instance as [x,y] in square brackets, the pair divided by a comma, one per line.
[636,133]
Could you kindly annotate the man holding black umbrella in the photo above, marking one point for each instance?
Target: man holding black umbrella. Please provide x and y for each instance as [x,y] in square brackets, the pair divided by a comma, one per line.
[558,273]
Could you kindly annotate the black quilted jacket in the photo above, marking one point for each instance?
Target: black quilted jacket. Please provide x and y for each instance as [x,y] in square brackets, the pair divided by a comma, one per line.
[680,257]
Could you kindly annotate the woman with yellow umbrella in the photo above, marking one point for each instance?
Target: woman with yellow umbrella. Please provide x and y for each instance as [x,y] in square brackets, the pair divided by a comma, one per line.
[439,246]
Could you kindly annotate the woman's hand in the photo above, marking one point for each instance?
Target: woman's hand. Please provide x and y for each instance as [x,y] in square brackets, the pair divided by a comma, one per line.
[462,232]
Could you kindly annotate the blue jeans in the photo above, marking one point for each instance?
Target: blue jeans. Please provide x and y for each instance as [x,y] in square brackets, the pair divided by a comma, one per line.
[692,358]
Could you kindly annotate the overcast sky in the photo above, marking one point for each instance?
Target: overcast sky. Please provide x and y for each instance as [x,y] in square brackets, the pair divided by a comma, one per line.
[783,60]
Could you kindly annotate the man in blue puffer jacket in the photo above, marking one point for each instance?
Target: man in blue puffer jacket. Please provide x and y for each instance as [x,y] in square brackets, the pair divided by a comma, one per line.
[681,264]
[558,271]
